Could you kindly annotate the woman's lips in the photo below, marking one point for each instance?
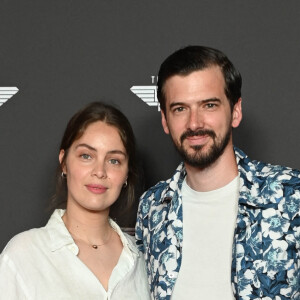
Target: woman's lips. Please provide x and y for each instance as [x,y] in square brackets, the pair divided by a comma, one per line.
[96,188]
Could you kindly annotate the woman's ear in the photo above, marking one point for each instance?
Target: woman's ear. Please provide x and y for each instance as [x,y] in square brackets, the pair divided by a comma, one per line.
[60,157]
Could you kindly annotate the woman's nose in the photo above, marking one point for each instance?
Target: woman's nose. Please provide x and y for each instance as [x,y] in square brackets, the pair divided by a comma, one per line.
[99,170]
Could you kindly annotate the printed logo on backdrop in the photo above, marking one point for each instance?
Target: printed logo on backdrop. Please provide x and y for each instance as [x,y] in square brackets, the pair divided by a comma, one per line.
[6,93]
[147,93]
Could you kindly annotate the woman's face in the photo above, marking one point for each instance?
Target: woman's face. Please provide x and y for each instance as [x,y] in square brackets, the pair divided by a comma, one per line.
[96,167]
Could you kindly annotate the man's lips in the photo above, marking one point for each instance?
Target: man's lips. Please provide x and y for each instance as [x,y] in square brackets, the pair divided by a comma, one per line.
[96,188]
[197,139]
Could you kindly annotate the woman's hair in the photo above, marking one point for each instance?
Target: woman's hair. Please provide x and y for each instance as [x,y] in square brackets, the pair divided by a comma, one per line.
[93,112]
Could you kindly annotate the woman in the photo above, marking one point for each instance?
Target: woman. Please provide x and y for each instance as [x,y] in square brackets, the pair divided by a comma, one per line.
[81,253]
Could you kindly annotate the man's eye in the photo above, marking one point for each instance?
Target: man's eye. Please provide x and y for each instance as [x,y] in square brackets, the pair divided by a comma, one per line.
[86,156]
[114,161]
[211,105]
[179,109]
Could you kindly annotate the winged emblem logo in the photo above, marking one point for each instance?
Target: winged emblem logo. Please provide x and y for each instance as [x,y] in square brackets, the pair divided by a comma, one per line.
[6,93]
[146,93]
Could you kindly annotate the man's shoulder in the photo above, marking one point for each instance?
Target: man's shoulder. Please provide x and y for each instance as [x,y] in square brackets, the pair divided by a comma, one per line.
[267,170]
[165,188]
[156,190]
[285,175]
[153,197]
[270,169]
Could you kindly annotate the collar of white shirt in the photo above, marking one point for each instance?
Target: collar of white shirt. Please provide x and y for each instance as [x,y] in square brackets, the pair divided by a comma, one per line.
[59,235]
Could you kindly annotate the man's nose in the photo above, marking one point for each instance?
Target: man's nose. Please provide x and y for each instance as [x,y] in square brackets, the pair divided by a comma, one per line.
[196,120]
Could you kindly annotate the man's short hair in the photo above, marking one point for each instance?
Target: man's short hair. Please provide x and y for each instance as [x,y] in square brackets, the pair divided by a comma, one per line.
[194,58]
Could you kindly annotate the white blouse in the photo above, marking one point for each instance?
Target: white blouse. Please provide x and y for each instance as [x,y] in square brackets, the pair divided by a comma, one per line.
[42,263]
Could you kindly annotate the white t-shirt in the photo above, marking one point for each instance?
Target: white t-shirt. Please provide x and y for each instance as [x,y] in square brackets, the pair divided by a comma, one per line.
[209,220]
[43,264]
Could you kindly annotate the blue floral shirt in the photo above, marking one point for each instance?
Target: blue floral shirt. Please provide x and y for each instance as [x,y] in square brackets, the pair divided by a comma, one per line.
[266,246]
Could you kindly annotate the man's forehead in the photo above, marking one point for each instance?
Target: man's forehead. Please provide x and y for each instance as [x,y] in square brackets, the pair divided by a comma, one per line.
[208,78]
[211,68]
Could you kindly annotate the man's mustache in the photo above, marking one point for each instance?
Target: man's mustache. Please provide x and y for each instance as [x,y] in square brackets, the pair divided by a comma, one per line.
[200,132]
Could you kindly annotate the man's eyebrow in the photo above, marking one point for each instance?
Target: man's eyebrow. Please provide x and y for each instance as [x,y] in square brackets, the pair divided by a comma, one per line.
[214,99]
[177,104]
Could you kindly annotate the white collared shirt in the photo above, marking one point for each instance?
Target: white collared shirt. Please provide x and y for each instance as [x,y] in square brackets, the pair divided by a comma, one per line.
[43,264]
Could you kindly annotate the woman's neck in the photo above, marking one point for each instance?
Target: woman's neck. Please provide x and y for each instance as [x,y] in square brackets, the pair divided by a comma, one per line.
[88,226]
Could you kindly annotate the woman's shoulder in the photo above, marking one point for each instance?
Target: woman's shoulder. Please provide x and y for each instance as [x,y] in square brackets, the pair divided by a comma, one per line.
[37,239]
[130,239]
[25,242]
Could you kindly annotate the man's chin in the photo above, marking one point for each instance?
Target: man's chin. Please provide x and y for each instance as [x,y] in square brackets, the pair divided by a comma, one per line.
[195,154]
[197,149]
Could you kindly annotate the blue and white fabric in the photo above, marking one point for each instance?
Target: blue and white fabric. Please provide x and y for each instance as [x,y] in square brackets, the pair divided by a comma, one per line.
[266,245]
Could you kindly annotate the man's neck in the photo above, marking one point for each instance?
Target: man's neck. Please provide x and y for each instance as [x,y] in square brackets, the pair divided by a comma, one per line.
[217,175]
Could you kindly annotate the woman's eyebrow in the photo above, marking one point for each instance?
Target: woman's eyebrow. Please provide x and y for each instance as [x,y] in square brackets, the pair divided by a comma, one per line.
[95,150]
[86,146]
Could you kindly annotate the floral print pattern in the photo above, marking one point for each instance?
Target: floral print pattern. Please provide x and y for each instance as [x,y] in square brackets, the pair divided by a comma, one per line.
[266,247]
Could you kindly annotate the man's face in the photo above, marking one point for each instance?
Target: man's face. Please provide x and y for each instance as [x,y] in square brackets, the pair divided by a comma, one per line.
[198,116]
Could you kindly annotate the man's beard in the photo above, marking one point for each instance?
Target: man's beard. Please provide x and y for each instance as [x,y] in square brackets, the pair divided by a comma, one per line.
[199,159]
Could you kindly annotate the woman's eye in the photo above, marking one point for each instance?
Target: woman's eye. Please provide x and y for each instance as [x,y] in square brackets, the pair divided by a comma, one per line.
[86,156]
[114,161]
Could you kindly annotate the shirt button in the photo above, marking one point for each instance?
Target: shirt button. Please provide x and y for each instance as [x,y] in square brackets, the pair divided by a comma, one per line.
[172,274]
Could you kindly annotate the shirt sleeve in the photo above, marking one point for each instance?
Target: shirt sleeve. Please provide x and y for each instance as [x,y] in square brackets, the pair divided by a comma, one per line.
[12,286]
[139,227]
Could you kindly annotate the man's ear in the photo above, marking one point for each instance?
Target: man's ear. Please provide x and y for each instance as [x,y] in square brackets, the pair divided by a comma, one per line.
[237,114]
[60,157]
[164,122]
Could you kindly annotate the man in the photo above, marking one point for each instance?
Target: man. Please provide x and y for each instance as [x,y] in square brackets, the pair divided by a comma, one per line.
[223,227]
